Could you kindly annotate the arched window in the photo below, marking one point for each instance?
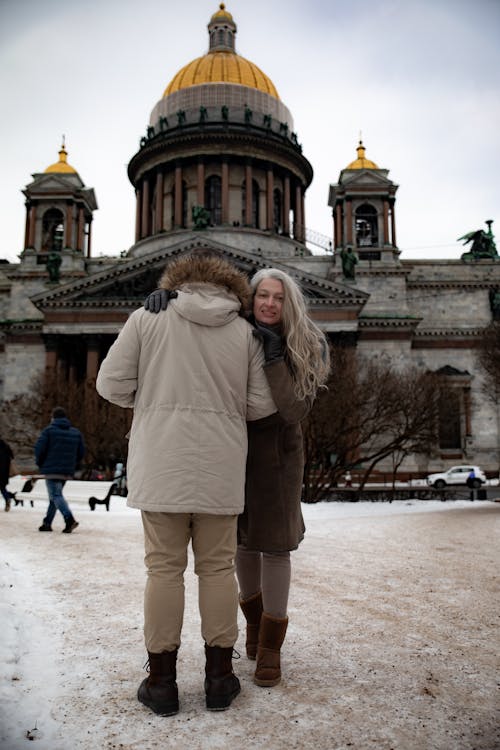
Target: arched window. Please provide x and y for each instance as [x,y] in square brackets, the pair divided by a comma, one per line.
[366,226]
[253,221]
[52,231]
[213,199]
[277,211]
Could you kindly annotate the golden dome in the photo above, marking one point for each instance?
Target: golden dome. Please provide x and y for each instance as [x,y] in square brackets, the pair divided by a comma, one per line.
[62,166]
[221,67]
[221,64]
[222,15]
[361,162]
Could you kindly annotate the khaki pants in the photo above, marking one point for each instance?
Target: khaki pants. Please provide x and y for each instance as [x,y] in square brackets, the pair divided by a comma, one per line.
[166,540]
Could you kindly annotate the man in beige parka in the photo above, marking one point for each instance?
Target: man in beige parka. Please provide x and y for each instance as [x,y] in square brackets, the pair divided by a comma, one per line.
[193,375]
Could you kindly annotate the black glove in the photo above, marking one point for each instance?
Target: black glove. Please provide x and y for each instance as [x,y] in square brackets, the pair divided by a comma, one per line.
[272,342]
[158,300]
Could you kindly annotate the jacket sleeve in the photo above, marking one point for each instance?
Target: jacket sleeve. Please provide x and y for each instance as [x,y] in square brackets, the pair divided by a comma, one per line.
[117,377]
[41,447]
[260,402]
[291,409]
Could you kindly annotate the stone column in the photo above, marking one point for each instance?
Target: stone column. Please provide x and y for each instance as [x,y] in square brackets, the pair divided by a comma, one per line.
[89,238]
[72,370]
[338,225]
[81,228]
[269,198]
[393,226]
[50,342]
[248,194]
[286,206]
[303,214]
[225,192]
[159,203]
[32,226]
[92,357]
[62,364]
[299,224]
[27,226]
[138,211]
[349,222]
[68,226]
[145,209]
[178,197]
[200,187]
[386,223]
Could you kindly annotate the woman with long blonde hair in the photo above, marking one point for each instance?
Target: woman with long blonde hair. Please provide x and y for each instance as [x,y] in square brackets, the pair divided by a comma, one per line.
[271,526]
[296,366]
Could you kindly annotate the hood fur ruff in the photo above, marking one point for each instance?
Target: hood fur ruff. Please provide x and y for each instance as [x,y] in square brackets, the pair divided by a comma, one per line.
[208,269]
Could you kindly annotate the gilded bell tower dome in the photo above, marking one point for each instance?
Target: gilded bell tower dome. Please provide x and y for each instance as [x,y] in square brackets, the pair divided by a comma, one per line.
[59,214]
[220,150]
[363,207]
[62,166]
[361,162]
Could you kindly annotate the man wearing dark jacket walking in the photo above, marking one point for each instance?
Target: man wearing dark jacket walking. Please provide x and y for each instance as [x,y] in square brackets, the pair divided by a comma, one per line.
[58,451]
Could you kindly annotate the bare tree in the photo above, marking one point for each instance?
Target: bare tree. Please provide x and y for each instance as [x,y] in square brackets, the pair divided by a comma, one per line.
[103,425]
[21,419]
[369,413]
[489,360]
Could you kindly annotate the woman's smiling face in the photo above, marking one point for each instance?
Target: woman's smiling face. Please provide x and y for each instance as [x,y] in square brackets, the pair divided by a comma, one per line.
[268,302]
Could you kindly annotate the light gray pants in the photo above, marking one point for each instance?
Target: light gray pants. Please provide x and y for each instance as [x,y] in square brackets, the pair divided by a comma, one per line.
[266,572]
[166,541]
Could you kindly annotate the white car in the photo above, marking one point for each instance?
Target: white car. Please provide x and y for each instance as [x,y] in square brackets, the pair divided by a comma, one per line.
[472,476]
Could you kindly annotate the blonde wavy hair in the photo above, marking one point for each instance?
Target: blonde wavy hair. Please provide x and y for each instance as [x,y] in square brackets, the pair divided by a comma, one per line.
[307,347]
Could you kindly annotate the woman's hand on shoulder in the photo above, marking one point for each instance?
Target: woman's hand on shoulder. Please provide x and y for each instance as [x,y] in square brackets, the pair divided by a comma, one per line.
[158,300]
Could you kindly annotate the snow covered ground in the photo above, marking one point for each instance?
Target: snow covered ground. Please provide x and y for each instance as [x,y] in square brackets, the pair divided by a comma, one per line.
[393,639]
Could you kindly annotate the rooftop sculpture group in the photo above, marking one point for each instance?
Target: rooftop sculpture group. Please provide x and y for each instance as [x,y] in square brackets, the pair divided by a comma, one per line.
[483,245]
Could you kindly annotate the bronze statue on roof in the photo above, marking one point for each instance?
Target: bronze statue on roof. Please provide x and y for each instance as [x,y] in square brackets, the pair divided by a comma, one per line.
[483,244]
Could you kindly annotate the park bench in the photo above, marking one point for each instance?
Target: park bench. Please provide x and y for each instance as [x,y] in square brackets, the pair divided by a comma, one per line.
[17,484]
[96,493]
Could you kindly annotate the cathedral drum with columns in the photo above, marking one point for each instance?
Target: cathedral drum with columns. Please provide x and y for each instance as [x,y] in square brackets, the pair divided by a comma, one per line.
[221,166]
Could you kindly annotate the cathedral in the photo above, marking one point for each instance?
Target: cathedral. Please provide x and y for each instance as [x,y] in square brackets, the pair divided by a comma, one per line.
[220,166]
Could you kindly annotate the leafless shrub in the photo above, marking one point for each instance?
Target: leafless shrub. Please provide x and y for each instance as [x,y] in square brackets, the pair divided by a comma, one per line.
[370,412]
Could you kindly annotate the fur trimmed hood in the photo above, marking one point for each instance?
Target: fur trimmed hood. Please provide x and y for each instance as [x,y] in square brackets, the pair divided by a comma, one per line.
[207,268]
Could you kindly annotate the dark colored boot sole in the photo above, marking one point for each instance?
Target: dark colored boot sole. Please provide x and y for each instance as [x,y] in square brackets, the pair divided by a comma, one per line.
[162,708]
[71,528]
[267,683]
[222,702]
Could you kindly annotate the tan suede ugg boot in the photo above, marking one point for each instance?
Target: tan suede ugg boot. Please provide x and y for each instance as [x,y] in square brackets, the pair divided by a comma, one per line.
[271,636]
[252,609]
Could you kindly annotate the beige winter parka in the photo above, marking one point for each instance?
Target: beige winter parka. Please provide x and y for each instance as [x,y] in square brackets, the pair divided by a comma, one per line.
[193,375]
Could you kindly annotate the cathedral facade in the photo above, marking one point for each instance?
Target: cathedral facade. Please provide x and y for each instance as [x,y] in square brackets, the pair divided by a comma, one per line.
[220,166]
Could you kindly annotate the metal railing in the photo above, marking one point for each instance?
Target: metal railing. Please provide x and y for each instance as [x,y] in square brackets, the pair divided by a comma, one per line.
[304,234]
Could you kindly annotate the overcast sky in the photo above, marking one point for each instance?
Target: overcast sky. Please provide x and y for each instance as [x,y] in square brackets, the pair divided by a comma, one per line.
[420,79]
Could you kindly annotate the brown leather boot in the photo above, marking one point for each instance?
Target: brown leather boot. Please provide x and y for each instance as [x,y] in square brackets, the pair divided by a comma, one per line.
[271,636]
[252,609]
[221,684]
[159,691]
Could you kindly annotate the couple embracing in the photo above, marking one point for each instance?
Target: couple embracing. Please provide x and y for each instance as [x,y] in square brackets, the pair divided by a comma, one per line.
[219,372]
